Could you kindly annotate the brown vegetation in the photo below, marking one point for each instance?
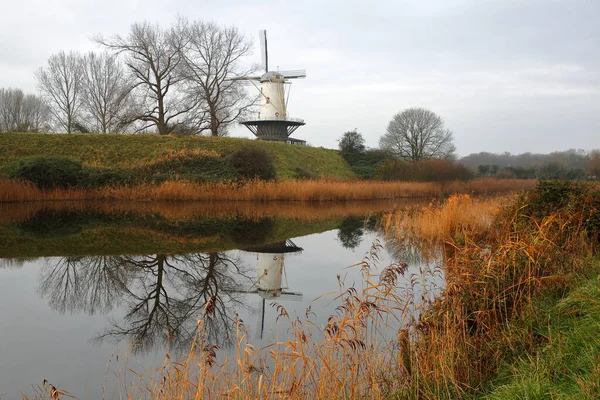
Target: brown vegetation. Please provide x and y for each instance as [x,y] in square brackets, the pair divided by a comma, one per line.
[304,191]
[497,259]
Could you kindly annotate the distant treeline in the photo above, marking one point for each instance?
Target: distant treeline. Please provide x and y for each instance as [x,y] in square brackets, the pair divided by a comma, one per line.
[570,164]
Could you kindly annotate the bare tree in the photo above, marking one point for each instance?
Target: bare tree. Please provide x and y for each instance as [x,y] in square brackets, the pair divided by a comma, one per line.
[60,82]
[152,56]
[35,115]
[418,134]
[211,56]
[22,113]
[107,99]
[10,104]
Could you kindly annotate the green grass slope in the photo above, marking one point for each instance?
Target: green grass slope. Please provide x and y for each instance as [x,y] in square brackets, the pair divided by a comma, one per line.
[126,150]
[568,365]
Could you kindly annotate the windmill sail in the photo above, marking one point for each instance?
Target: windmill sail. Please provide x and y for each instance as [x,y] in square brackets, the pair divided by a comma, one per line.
[297,73]
[263,49]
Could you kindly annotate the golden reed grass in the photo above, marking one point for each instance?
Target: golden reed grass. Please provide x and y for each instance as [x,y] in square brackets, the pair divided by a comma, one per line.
[303,191]
[459,215]
[498,258]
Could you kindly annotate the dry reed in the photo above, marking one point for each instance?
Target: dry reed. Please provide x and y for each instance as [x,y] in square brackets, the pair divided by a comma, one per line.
[459,216]
[303,191]
[497,260]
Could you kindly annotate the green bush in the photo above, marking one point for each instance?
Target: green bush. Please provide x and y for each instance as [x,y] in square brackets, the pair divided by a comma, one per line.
[253,162]
[301,173]
[93,177]
[366,163]
[423,171]
[188,166]
[46,171]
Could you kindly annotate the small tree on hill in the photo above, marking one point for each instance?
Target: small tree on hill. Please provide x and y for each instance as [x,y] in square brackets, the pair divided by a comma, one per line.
[352,142]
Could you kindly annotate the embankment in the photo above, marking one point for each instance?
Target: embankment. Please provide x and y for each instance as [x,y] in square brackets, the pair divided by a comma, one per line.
[133,151]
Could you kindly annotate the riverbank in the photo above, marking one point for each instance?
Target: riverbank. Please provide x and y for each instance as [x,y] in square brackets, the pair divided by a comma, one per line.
[262,191]
[503,275]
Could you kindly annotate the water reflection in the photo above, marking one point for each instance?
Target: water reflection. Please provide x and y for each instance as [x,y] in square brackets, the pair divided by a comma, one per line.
[162,295]
[199,265]
[270,272]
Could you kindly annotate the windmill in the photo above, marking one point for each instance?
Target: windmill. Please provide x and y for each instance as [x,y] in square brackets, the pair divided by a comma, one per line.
[273,122]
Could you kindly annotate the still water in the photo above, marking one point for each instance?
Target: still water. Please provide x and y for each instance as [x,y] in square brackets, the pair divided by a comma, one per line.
[83,284]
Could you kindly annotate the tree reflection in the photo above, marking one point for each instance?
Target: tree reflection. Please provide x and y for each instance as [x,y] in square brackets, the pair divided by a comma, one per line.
[91,283]
[350,232]
[163,295]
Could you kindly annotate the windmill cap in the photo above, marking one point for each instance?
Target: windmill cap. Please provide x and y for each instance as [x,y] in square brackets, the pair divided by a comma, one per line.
[271,76]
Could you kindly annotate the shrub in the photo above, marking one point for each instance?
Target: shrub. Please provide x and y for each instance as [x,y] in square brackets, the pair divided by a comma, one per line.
[253,162]
[301,173]
[193,165]
[423,171]
[93,177]
[46,171]
[366,163]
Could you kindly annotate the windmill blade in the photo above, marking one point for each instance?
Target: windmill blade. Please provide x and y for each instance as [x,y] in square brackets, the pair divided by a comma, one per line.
[262,37]
[244,78]
[297,73]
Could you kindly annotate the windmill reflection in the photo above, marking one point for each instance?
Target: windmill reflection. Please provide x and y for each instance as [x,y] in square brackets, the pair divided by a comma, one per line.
[271,281]
[163,295]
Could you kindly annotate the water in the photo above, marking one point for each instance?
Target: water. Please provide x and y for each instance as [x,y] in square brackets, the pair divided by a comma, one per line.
[83,283]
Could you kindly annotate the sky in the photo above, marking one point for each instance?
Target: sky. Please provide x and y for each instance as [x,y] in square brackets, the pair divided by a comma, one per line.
[505,75]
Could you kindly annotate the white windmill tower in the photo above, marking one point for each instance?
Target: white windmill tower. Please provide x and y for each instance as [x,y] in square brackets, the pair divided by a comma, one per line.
[273,122]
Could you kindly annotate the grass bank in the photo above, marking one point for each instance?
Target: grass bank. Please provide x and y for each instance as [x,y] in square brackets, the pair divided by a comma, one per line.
[566,364]
[147,152]
[262,191]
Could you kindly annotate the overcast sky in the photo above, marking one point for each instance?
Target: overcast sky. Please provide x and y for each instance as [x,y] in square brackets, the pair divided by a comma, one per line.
[506,75]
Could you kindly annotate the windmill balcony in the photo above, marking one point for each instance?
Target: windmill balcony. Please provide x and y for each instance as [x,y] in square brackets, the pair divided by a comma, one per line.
[289,119]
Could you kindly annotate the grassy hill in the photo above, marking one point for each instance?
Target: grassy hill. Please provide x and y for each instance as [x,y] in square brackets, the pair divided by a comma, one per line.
[126,151]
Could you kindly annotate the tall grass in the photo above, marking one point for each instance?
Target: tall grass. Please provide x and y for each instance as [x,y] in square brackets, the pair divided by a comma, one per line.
[304,191]
[495,267]
[459,216]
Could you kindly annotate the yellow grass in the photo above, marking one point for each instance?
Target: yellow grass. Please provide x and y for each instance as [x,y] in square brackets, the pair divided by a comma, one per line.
[461,215]
[304,191]
[173,155]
